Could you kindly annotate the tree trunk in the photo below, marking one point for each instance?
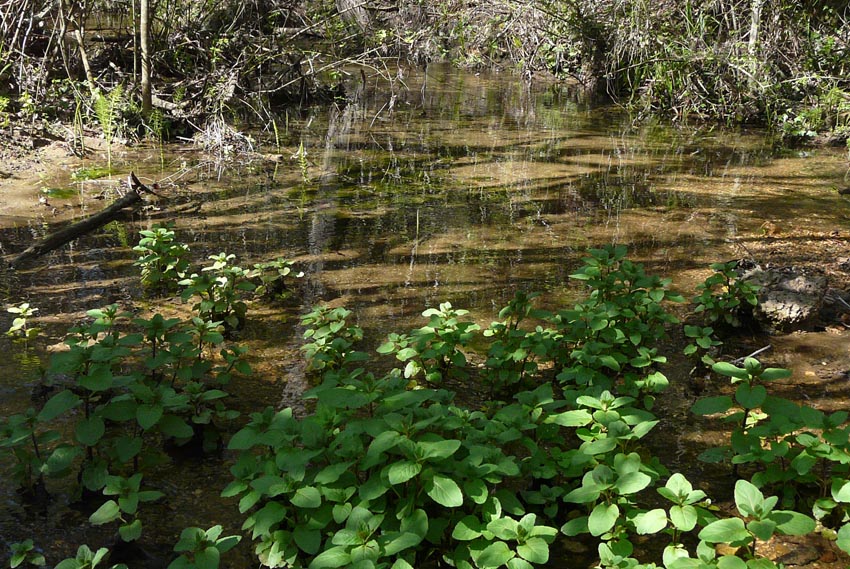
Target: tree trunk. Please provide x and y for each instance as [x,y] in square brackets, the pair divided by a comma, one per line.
[144,41]
[84,58]
[754,66]
[354,12]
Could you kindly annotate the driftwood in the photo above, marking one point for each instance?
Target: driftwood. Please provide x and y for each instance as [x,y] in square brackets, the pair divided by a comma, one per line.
[55,240]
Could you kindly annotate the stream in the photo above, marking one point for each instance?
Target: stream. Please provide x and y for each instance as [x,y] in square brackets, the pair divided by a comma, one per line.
[432,187]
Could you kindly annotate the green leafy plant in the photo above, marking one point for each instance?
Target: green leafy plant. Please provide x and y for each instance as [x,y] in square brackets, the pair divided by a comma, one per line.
[220,288]
[724,296]
[514,354]
[125,506]
[163,260]
[760,522]
[608,341]
[107,109]
[437,348]
[381,472]
[88,559]
[702,340]
[20,328]
[36,448]
[273,277]
[4,115]
[750,396]
[25,553]
[202,549]
[332,341]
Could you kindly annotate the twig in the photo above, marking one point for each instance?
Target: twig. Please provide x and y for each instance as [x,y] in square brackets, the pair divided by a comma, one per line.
[757,352]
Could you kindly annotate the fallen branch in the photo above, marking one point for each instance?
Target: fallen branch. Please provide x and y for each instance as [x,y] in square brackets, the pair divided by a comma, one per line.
[757,352]
[55,240]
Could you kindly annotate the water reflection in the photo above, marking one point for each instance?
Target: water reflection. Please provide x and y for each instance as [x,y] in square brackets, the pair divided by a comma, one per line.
[460,187]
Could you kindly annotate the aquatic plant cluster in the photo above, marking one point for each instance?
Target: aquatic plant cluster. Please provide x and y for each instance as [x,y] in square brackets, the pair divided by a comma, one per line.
[397,470]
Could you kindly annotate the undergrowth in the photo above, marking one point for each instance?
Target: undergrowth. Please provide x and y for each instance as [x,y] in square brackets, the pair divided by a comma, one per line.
[395,470]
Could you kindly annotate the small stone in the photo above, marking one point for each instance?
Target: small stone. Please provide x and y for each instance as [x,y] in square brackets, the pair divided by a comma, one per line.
[800,555]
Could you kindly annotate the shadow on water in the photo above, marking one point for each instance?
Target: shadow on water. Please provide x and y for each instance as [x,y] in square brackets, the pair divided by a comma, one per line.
[450,187]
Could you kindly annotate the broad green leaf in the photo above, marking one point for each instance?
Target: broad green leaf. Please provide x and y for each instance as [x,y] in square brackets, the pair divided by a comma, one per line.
[373,488]
[841,491]
[493,556]
[750,397]
[439,449]
[243,439]
[712,405]
[402,471]
[108,512]
[683,517]
[99,378]
[534,550]
[575,527]
[577,418]
[727,369]
[267,517]
[128,447]
[467,529]
[632,482]
[748,498]
[174,426]
[678,485]
[341,512]
[89,431]
[519,563]
[599,446]
[789,522]
[416,523]
[445,491]
[476,490]
[650,522]
[331,558]
[308,540]
[672,554]
[148,415]
[602,518]
[131,531]
[60,460]
[57,405]
[774,373]
[729,530]
[503,528]
[762,529]
[401,541]
[307,497]
[207,558]
[346,537]
[331,474]
[731,562]
[584,494]
[843,540]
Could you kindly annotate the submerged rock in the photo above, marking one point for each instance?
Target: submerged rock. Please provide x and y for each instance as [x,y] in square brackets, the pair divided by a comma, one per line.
[788,299]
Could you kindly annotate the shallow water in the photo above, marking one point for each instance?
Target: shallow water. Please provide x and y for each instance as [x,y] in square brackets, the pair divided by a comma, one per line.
[443,187]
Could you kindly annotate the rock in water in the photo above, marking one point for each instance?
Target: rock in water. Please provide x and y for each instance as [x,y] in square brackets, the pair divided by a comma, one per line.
[788,299]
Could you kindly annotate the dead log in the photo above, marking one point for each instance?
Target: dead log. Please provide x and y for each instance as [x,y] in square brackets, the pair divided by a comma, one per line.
[131,199]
